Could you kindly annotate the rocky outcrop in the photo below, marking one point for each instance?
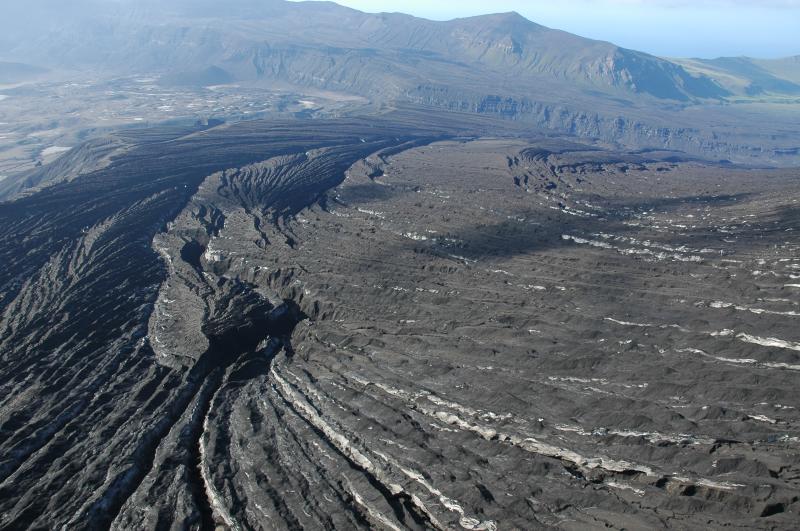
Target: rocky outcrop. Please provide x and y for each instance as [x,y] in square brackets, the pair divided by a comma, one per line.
[636,134]
[83,373]
[354,324]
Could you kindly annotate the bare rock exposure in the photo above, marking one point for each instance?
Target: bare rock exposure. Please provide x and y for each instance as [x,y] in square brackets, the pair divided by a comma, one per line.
[304,267]
[353,324]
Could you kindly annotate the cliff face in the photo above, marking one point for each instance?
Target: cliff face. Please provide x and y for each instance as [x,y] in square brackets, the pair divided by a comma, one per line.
[632,130]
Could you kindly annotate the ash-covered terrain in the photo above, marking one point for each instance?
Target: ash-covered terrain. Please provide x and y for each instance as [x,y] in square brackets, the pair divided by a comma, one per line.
[405,321]
[287,265]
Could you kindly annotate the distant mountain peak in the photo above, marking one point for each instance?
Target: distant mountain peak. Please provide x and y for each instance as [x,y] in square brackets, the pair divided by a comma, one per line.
[511,16]
[510,20]
[324,45]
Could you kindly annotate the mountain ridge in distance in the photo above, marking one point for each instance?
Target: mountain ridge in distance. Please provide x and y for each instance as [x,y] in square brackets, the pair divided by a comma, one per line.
[505,41]
[748,76]
[500,64]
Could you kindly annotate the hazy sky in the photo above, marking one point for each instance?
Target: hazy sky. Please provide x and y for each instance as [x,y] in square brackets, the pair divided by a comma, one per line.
[679,28]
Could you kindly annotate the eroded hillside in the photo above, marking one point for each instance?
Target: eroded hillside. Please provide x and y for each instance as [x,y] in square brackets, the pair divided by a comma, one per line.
[365,324]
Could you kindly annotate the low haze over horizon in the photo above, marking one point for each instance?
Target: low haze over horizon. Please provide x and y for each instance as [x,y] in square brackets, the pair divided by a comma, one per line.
[670,28]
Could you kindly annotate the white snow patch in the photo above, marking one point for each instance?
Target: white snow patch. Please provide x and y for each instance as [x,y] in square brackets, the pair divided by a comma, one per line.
[53,150]
[721,485]
[628,323]
[450,504]
[723,333]
[653,437]
[757,311]
[424,290]
[744,361]
[654,245]
[374,513]
[524,442]
[583,241]
[623,486]
[214,497]
[372,213]
[657,255]
[414,236]
[762,418]
[768,341]
[211,255]
[463,259]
